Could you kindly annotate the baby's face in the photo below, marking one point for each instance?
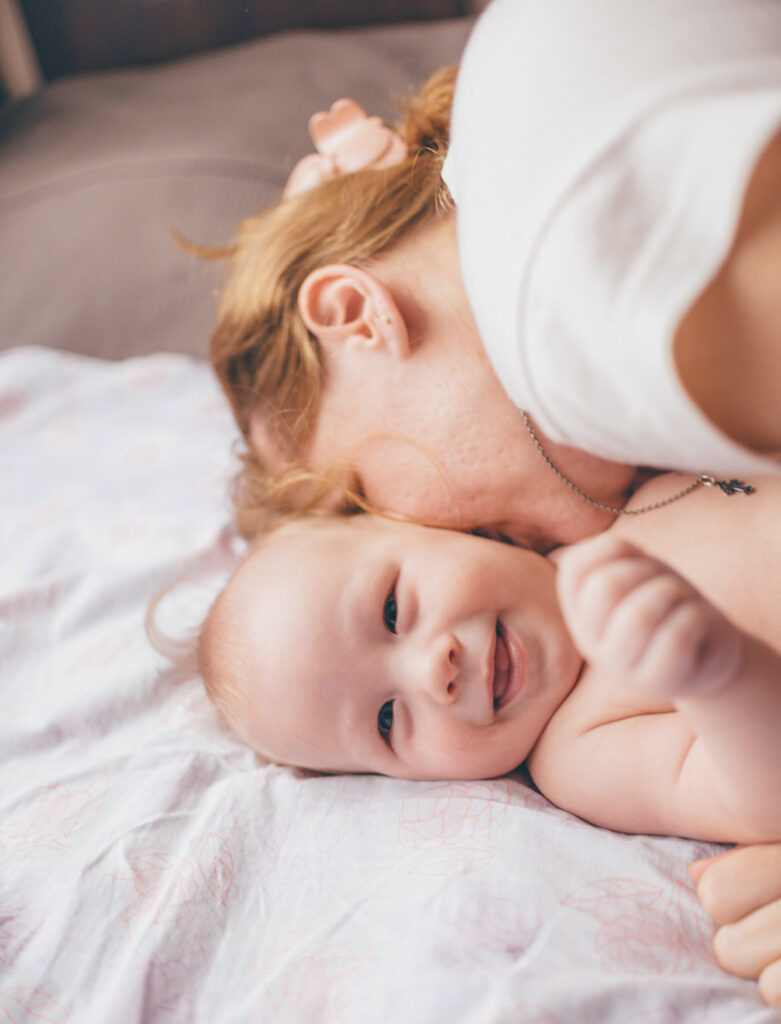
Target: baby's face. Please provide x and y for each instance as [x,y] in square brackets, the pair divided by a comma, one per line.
[373,646]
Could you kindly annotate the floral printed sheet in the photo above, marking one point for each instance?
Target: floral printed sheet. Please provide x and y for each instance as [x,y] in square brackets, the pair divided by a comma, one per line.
[152,870]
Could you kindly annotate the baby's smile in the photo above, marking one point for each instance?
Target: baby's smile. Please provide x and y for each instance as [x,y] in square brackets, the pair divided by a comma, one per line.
[508,672]
[428,653]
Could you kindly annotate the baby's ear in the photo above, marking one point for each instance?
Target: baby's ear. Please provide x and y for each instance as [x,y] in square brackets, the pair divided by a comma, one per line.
[346,307]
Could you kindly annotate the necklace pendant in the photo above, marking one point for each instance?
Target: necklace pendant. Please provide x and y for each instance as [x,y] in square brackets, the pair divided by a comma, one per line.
[728,487]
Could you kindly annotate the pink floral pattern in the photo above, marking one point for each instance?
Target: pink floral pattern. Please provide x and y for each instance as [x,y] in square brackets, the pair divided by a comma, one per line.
[645,927]
[153,870]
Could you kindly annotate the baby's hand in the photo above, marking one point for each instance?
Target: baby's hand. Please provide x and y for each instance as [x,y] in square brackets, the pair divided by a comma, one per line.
[635,617]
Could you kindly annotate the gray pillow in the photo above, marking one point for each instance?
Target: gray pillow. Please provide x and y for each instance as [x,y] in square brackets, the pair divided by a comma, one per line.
[94,168]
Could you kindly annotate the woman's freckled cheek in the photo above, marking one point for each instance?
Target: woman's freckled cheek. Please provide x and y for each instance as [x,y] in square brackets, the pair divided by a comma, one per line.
[422,496]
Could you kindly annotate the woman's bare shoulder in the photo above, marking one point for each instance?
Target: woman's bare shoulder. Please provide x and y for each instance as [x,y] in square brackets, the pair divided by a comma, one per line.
[728,545]
[730,503]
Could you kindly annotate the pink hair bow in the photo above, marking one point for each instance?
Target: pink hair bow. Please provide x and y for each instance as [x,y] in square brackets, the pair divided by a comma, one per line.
[346,140]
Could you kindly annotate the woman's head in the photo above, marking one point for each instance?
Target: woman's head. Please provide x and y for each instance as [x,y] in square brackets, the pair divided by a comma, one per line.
[363,644]
[347,348]
[265,357]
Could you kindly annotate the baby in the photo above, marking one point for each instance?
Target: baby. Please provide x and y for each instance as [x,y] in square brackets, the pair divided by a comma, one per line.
[368,645]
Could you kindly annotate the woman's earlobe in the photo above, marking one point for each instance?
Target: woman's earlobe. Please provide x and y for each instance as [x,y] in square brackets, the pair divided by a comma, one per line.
[347,307]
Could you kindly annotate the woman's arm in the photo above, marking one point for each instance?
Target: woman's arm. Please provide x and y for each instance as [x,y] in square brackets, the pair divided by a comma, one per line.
[741,890]
[728,346]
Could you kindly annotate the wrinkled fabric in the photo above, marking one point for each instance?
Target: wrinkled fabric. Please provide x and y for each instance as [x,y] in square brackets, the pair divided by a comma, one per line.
[154,870]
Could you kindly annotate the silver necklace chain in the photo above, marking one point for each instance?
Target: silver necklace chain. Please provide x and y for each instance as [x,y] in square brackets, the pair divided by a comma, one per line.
[703,480]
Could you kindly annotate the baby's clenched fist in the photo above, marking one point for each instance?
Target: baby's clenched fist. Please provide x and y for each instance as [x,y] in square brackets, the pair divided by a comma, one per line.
[634,617]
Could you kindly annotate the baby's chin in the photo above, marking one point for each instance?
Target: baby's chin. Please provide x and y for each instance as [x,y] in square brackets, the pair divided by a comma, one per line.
[572,674]
[466,770]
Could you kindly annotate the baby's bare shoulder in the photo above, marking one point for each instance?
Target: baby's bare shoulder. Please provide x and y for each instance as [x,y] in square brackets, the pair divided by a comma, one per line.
[610,759]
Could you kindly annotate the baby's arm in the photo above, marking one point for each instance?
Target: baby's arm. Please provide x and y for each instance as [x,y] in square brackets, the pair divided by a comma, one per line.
[637,620]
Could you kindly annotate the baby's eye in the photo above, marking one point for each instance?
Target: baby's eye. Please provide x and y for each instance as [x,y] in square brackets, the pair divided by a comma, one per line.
[385,720]
[389,611]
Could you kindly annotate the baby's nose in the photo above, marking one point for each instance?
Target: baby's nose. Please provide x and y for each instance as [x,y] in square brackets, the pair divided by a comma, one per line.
[445,668]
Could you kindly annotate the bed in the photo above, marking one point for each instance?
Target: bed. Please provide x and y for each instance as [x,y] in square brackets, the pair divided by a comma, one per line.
[151,868]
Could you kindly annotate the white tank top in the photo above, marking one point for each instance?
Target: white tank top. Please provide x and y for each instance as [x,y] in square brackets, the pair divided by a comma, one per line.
[600,151]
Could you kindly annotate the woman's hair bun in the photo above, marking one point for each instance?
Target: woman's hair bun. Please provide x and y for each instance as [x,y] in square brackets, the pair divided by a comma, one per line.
[426,124]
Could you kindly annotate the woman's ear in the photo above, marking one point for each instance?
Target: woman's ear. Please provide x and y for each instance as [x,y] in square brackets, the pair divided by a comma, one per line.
[346,307]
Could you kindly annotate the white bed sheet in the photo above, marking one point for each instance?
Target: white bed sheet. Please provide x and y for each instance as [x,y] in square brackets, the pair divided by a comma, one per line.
[151,869]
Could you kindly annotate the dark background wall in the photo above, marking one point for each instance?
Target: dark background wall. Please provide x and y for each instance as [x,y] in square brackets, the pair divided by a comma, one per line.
[80,35]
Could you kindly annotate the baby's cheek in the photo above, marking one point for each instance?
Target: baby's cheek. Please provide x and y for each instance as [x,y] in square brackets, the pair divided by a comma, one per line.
[466,753]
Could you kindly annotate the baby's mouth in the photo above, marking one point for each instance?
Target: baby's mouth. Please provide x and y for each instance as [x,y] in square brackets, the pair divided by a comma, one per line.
[507,669]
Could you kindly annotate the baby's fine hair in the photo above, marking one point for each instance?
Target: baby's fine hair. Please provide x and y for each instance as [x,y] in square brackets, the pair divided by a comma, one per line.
[222,660]
[261,349]
[209,651]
